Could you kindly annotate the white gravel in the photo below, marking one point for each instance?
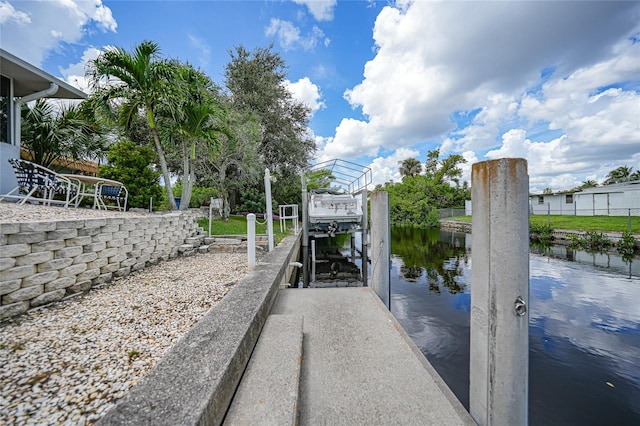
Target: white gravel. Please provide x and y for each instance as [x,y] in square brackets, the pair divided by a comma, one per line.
[68,363]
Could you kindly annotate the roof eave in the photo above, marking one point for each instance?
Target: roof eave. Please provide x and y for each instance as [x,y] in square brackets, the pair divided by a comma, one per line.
[28,79]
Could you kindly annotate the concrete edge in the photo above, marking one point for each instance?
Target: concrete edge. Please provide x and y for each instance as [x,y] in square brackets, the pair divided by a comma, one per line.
[268,393]
[439,381]
[193,384]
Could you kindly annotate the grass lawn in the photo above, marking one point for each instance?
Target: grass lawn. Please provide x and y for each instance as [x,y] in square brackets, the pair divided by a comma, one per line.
[237,225]
[580,223]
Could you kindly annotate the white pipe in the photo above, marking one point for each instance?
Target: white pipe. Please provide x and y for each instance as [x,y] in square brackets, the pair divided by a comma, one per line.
[53,88]
[268,213]
[251,240]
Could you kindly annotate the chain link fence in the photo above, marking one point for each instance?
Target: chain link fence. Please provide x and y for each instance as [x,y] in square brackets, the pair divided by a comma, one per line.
[445,213]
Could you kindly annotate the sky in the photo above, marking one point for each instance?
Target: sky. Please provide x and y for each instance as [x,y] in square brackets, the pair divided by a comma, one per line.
[554,82]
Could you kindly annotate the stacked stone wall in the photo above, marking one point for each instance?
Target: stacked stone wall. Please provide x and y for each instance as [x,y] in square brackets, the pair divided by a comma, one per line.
[44,262]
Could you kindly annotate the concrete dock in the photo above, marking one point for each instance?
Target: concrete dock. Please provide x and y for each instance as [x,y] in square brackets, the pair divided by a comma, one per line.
[272,355]
[358,367]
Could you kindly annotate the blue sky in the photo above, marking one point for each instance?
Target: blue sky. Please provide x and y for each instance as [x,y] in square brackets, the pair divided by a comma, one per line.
[557,83]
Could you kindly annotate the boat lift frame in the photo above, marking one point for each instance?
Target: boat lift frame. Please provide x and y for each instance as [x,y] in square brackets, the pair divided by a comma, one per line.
[354,179]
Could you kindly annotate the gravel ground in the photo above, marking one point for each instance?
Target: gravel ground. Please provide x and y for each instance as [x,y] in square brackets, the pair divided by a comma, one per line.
[68,363]
[11,212]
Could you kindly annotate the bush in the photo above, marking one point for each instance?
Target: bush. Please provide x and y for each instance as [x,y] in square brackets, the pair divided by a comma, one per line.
[131,164]
[627,244]
[541,233]
[200,196]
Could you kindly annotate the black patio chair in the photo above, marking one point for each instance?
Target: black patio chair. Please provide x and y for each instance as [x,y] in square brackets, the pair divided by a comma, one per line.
[39,184]
[112,193]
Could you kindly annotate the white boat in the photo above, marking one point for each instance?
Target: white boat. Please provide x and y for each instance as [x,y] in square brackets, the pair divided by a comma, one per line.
[334,211]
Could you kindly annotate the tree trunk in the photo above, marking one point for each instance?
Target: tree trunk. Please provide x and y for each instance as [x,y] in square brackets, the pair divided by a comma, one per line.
[165,169]
[187,178]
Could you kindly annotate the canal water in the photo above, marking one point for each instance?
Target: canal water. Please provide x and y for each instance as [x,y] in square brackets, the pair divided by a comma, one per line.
[584,324]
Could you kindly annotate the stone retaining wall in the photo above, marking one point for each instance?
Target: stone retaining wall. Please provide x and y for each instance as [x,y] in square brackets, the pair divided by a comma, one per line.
[43,262]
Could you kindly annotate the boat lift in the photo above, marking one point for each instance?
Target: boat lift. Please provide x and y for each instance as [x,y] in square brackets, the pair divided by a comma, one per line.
[339,207]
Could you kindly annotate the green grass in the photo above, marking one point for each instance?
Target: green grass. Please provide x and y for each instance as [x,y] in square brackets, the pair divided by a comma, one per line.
[580,223]
[237,225]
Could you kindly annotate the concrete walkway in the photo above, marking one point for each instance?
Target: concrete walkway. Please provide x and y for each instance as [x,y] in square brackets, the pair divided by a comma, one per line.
[359,367]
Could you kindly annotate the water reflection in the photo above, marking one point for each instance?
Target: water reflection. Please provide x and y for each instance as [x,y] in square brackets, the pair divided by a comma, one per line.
[424,251]
[584,324]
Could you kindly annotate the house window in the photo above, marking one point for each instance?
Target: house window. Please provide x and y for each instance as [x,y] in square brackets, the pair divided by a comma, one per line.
[569,199]
[5,109]
[540,199]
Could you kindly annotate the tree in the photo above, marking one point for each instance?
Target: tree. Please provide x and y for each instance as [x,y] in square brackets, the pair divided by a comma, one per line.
[130,164]
[256,82]
[621,174]
[195,120]
[547,191]
[321,178]
[57,135]
[142,82]
[442,170]
[415,202]
[410,167]
[585,184]
[234,165]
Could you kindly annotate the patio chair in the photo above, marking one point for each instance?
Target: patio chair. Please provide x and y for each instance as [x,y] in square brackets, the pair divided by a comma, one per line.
[112,193]
[39,184]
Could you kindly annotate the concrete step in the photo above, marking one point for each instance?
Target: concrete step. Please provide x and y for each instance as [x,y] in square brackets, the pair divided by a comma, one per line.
[268,391]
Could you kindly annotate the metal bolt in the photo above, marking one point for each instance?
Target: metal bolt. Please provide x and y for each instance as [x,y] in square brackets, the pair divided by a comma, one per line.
[520,306]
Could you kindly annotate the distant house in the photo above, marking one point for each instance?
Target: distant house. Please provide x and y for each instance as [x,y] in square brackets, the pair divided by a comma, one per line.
[21,82]
[619,199]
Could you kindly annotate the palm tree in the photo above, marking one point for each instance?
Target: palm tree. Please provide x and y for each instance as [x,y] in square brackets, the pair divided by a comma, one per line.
[57,135]
[142,82]
[587,184]
[410,167]
[621,174]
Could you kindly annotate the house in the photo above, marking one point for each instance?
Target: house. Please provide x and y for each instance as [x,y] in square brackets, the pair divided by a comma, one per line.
[561,203]
[21,82]
[621,199]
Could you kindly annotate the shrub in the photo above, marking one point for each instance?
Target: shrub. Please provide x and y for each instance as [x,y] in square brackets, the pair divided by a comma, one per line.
[627,244]
[131,164]
[541,233]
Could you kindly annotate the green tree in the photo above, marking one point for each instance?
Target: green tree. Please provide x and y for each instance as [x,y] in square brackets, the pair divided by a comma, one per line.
[410,167]
[196,120]
[137,81]
[584,185]
[131,164]
[621,174]
[321,178]
[415,201]
[234,164]
[59,134]
[256,82]
[441,171]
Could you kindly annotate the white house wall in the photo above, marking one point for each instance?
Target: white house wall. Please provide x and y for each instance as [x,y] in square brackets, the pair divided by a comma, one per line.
[622,203]
[554,204]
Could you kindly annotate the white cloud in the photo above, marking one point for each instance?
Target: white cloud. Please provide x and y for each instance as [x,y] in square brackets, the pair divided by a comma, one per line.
[290,38]
[525,67]
[322,10]
[306,92]
[385,169]
[74,74]
[45,25]
[9,13]
[203,48]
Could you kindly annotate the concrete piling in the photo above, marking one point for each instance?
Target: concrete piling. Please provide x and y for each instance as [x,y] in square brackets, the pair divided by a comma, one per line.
[499,369]
[381,247]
